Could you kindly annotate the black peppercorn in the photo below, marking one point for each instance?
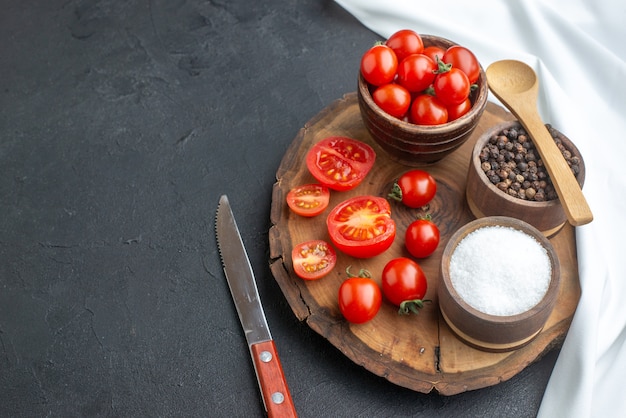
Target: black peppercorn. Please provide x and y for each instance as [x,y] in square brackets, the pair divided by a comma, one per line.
[511,162]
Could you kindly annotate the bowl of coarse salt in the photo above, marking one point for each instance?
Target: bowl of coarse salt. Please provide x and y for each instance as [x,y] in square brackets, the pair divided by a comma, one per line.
[499,283]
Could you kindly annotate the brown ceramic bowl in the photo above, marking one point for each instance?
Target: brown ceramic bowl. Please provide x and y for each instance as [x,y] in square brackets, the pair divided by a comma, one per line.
[485,199]
[488,332]
[416,145]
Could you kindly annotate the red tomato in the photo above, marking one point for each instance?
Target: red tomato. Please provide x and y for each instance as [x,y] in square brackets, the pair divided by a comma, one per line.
[463,59]
[416,72]
[308,200]
[340,163]
[404,43]
[456,111]
[404,284]
[379,65]
[313,260]
[452,87]
[359,299]
[428,110]
[393,99]
[362,226]
[415,188]
[434,52]
[421,238]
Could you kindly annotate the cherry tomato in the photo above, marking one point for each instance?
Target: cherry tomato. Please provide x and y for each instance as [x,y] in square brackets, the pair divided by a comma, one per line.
[421,238]
[359,298]
[308,200]
[393,99]
[340,163]
[379,65]
[404,43]
[415,188]
[452,87]
[428,110]
[456,111]
[362,226]
[313,260]
[434,52]
[462,58]
[416,72]
[404,284]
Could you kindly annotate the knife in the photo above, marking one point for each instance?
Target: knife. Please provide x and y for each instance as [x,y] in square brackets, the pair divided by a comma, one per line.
[240,277]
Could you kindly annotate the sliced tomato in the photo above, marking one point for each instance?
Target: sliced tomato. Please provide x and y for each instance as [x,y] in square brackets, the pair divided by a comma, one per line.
[313,260]
[308,200]
[340,163]
[362,226]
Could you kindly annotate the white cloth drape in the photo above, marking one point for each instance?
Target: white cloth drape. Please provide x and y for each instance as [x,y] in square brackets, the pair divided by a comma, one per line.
[578,49]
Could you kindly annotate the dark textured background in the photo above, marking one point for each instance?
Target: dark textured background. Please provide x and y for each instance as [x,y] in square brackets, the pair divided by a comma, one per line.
[121,123]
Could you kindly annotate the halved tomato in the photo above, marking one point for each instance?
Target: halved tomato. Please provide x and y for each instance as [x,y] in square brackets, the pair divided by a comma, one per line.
[308,200]
[362,226]
[340,163]
[313,260]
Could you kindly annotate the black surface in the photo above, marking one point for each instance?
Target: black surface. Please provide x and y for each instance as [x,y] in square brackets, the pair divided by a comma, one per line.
[121,124]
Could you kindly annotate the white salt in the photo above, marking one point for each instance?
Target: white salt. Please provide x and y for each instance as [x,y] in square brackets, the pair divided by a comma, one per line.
[500,270]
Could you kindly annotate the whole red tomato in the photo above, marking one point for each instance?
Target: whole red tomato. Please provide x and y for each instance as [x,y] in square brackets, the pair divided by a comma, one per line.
[340,163]
[359,298]
[379,65]
[415,188]
[421,238]
[416,72]
[452,87]
[462,58]
[434,52]
[404,43]
[313,260]
[456,111]
[362,226]
[428,110]
[308,200]
[393,99]
[404,284]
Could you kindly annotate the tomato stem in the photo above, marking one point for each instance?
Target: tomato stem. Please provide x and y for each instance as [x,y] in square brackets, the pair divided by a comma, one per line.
[430,91]
[396,192]
[414,305]
[442,67]
[426,217]
[362,273]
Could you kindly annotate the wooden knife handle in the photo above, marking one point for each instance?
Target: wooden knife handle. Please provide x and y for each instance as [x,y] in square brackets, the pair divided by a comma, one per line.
[269,371]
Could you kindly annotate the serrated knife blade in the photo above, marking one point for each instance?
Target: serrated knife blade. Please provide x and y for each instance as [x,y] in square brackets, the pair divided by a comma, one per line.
[240,277]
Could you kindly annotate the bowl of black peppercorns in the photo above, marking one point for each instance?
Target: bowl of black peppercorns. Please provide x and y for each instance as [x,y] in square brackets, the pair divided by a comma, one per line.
[507,177]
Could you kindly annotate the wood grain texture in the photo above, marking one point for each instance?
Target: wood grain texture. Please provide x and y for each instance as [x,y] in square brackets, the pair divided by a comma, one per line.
[417,352]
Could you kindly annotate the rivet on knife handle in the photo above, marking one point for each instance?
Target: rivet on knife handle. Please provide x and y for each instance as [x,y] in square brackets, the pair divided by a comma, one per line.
[276,396]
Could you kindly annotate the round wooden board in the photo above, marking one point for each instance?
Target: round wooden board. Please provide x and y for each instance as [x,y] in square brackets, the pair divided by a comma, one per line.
[417,352]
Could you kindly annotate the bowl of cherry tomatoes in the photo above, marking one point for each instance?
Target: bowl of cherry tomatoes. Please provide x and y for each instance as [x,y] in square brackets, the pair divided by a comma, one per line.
[420,96]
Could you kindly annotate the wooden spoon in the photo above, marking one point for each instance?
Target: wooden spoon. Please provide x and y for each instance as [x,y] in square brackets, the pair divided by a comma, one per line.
[516,85]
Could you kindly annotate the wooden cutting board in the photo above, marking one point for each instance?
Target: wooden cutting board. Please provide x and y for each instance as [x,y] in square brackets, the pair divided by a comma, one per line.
[417,352]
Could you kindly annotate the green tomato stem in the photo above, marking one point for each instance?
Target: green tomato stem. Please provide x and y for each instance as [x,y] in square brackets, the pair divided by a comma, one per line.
[396,192]
[414,305]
